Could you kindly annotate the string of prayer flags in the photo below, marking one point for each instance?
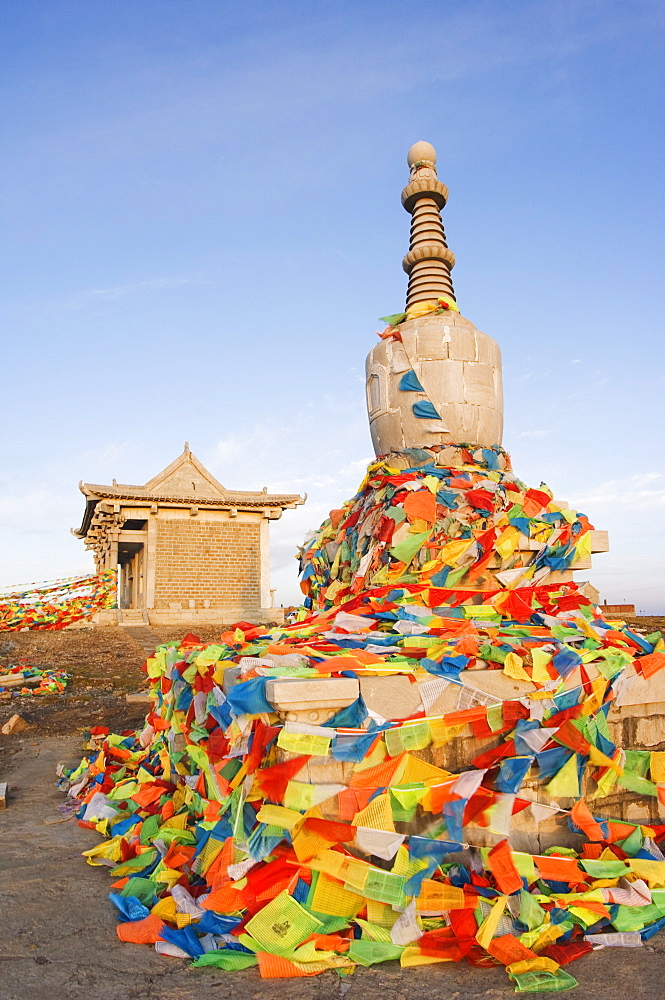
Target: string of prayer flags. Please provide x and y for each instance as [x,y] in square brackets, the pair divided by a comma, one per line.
[53,606]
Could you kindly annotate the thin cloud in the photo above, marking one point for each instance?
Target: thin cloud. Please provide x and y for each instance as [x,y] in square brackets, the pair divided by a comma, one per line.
[637,492]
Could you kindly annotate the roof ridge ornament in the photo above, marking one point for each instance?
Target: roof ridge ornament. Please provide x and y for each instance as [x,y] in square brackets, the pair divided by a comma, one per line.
[429,260]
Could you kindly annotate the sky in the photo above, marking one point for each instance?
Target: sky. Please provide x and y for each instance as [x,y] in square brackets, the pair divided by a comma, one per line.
[200,204]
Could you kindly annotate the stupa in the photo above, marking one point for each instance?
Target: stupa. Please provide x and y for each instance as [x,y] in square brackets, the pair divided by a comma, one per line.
[435,394]
[440,381]
[430,765]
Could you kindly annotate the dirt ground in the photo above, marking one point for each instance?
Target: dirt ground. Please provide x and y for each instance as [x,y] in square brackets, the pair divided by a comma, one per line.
[58,940]
[104,663]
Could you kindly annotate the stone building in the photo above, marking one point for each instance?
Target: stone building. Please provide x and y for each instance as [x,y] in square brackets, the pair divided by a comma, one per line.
[186,548]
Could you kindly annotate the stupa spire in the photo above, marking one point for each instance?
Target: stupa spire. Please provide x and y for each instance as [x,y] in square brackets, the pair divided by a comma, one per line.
[429,261]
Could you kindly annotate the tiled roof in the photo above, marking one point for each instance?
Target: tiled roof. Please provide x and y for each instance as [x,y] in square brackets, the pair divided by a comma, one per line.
[229,498]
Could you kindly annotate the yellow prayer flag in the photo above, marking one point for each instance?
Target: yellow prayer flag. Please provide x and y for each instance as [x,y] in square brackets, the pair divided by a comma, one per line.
[657,765]
[442,734]
[583,547]
[487,929]
[330,897]
[605,784]
[540,964]
[412,956]
[299,795]
[451,552]
[381,914]
[420,770]
[165,909]
[278,816]
[378,814]
[513,667]
[540,659]
[652,871]
[565,783]
[304,743]
[329,862]
[507,542]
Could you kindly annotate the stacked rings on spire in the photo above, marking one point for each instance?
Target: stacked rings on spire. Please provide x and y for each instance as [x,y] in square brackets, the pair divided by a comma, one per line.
[429,261]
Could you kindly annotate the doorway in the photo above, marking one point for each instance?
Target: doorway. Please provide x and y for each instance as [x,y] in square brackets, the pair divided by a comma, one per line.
[131,575]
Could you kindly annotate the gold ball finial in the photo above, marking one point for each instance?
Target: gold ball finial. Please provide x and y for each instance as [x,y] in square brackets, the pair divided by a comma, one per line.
[421,151]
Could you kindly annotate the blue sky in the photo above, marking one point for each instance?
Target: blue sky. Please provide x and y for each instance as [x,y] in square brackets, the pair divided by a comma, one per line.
[202,225]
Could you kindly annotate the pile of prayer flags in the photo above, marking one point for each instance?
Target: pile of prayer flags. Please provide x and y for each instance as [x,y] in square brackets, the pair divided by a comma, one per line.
[23,680]
[237,836]
[449,517]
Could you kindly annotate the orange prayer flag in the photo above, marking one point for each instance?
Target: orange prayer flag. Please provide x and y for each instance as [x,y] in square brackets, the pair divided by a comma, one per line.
[508,949]
[468,645]
[167,810]
[378,776]
[436,897]
[420,505]
[225,899]
[440,794]
[619,831]
[559,869]
[158,722]
[595,905]
[465,715]
[333,664]
[144,931]
[178,854]
[351,801]
[274,967]
[212,810]
[650,664]
[478,568]
[582,817]
[531,506]
[217,874]
[570,736]
[364,656]
[329,942]
[336,833]
[502,866]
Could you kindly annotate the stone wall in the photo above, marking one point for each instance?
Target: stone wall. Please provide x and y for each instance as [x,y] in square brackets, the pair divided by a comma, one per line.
[637,722]
[207,560]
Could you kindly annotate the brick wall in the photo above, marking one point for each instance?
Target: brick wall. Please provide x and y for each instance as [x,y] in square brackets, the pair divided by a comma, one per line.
[198,560]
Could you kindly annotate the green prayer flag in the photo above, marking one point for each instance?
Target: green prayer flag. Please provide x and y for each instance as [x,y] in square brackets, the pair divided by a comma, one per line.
[405,550]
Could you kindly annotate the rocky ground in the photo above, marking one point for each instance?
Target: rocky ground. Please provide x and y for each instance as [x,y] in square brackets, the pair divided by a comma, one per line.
[57,940]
